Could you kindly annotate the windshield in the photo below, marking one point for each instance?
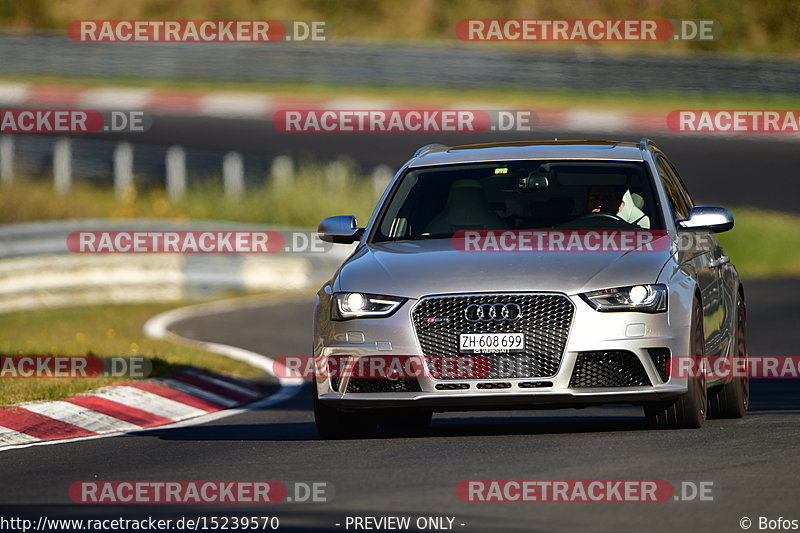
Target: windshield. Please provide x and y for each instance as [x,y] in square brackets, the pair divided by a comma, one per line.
[436,202]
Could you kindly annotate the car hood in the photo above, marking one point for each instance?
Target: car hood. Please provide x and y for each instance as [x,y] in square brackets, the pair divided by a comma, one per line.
[414,269]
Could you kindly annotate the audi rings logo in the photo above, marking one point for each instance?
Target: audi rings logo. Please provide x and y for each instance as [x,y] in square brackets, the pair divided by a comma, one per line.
[492,312]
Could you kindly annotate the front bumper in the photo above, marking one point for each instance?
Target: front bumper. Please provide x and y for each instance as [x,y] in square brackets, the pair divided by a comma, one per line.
[591,331]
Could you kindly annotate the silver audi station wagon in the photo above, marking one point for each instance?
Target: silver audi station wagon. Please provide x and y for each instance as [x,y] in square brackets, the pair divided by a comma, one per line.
[448,273]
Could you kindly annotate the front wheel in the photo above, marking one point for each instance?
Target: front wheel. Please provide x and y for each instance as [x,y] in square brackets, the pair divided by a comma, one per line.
[689,410]
[733,399]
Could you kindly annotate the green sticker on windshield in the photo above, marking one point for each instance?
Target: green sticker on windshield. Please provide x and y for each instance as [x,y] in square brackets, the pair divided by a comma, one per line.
[501,171]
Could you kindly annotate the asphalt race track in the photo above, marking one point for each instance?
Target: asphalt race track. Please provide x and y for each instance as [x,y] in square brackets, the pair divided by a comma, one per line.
[754,463]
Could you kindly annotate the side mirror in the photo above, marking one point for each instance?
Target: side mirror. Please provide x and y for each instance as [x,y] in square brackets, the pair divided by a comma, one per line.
[714,219]
[341,230]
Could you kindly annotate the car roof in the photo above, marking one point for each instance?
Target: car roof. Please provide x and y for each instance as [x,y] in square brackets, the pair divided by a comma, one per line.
[522,150]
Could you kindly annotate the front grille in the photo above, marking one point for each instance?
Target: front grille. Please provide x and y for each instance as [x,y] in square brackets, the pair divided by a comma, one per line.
[383,385]
[545,320]
[616,368]
[660,357]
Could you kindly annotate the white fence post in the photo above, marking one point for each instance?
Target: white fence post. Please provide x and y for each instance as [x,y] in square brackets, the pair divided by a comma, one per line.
[62,166]
[282,170]
[336,174]
[176,173]
[123,168]
[6,159]
[381,176]
[233,175]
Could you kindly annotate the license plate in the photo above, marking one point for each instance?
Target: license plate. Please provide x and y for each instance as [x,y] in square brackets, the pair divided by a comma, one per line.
[491,342]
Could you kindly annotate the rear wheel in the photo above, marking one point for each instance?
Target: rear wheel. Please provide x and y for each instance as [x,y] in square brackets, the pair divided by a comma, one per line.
[733,399]
[689,410]
[333,423]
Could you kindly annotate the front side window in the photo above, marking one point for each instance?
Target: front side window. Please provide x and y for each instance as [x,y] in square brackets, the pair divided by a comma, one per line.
[436,202]
[680,185]
[679,201]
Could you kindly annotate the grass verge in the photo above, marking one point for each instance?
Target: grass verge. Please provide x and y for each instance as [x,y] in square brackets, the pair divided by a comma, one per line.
[764,243]
[103,331]
[308,200]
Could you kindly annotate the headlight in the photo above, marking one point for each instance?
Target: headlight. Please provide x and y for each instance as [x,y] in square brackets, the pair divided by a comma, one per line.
[346,305]
[641,298]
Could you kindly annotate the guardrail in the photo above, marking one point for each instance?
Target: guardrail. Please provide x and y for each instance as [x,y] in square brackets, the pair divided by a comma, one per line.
[482,65]
[37,270]
[123,164]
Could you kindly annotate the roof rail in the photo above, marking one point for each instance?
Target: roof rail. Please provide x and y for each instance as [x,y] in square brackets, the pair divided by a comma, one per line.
[645,143]
[435,147]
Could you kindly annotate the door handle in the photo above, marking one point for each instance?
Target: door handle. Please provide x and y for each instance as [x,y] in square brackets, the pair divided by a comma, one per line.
[719,262]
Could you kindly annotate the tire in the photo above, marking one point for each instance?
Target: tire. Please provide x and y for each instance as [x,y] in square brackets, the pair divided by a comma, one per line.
[413,419]
[332,423]
[733,399]
[689,410]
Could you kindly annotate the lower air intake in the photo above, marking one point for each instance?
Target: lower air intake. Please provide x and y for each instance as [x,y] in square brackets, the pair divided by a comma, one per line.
[368,385]
[660,357]
[613,368]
